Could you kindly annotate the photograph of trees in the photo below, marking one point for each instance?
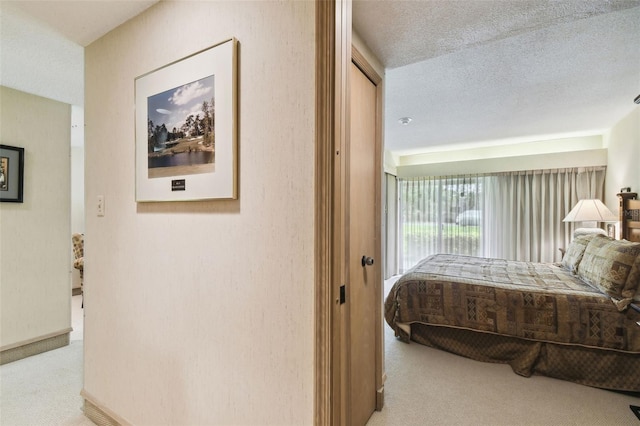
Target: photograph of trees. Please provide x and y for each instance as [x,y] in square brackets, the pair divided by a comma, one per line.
[181,129]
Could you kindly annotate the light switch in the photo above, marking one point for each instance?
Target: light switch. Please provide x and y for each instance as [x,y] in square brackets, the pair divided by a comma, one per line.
[100,205]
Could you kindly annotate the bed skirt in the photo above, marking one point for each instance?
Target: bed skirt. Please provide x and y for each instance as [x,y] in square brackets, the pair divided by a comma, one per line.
[601,368]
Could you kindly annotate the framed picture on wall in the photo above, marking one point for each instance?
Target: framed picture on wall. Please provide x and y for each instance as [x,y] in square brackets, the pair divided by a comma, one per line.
[186,128]
[11,173]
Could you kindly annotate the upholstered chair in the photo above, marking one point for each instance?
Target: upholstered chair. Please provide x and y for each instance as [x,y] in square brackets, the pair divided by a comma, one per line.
[78,254]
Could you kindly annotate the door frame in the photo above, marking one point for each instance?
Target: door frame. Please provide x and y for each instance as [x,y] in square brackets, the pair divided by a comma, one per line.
[333,20]
[334,54]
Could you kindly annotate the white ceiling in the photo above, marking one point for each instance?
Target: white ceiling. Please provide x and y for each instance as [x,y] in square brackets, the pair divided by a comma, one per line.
[465,71]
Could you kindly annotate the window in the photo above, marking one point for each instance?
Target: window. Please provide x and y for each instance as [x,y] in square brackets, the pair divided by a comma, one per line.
[440,215]
[515,215]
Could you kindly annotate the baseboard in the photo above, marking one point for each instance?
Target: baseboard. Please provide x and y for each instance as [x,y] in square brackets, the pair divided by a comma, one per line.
[99,414]
[34,346]
[380,399]
[76,291]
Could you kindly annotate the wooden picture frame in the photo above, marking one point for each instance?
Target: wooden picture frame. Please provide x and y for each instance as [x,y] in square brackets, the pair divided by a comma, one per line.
[186,128]
[11,174]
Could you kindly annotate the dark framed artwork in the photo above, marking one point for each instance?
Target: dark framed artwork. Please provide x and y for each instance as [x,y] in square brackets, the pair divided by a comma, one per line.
[185,126]
[11,173]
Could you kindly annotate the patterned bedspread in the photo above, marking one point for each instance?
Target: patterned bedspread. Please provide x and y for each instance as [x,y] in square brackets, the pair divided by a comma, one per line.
[535,301]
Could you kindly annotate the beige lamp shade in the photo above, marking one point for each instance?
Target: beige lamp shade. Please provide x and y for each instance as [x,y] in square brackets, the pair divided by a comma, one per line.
[590,211]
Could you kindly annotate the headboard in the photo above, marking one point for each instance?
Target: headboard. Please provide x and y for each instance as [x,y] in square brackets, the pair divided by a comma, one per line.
[629,216]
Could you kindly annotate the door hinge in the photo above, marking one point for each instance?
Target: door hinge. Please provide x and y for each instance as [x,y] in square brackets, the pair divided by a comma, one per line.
[343,295]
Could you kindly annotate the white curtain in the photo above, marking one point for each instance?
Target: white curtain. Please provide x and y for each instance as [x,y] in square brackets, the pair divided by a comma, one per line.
[515,215]
[391,226]
[440,215]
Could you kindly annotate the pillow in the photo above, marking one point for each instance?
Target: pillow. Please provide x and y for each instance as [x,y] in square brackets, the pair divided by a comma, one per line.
[613,267]
[575,251]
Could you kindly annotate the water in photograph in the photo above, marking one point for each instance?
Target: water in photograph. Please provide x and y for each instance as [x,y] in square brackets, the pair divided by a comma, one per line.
[182,159]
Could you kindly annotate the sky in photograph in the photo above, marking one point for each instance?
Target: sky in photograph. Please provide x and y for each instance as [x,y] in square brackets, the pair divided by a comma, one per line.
[174,106]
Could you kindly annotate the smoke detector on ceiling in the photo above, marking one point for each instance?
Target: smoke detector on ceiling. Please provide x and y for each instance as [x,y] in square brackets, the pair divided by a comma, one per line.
[405,120]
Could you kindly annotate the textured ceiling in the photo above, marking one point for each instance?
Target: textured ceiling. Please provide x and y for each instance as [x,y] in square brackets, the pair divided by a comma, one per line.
[405,32]
[474,71]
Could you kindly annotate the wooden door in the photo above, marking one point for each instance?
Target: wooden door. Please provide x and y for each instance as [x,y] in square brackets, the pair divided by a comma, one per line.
[363,265]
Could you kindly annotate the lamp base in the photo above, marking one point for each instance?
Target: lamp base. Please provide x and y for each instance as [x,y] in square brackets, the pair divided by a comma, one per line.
[588,231]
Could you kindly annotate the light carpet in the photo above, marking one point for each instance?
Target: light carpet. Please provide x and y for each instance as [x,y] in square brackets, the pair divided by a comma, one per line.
[429,386]
[424,386]
[45,389]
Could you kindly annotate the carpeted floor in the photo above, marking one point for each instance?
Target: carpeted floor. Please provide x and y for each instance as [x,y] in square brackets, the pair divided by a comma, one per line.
[424,386]
[45,389]
[429,386]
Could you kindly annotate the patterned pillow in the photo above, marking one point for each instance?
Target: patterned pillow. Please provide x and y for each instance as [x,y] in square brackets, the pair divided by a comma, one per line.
[575,251]
[613,267]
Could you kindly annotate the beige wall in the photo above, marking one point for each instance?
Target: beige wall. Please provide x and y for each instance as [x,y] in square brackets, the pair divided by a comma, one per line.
[77,181]
[35,293]
[578,151]
[623,145]
[202,312]
[558,160]
[77,169]
[77,203]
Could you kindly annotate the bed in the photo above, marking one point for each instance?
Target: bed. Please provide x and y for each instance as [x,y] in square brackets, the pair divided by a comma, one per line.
[577,320]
